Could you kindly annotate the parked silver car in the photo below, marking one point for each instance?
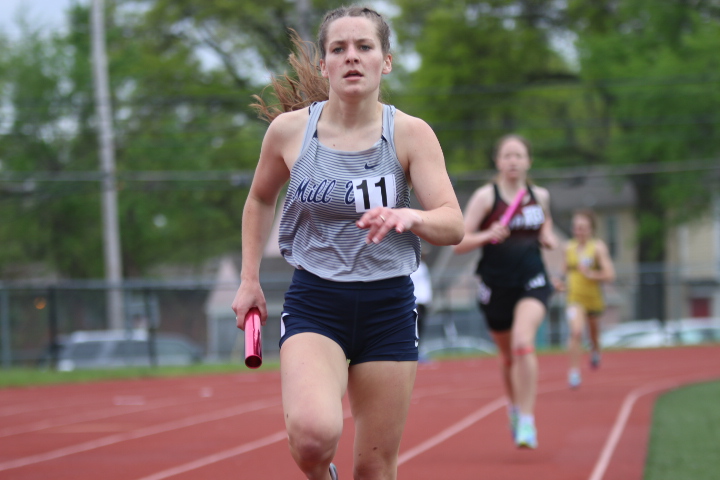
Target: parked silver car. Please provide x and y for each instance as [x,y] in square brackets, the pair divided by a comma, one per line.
[651,333]
[119,348]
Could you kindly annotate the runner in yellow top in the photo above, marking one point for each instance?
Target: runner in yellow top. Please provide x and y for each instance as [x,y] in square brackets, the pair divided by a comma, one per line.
[587,265]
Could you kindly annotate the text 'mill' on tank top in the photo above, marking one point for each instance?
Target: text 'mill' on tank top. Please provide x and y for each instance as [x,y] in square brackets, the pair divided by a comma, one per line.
[329,190]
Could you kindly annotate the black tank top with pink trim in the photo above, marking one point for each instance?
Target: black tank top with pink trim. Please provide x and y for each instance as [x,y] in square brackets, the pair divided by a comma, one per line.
[517,260]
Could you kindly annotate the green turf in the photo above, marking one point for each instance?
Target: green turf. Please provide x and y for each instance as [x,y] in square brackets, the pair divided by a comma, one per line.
[685,435]
[24,377]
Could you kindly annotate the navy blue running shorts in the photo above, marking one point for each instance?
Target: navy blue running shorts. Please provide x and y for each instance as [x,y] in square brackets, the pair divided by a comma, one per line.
[371,321]
[498,303]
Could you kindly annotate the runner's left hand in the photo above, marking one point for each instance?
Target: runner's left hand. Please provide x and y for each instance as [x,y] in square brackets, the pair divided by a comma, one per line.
[380,220]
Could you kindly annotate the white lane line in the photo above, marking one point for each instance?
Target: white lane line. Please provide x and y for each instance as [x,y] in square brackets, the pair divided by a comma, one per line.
[92,415]
[619,425]
[466,422]
[119,401]
[406,456]
[452,430]
[39,406]
[225,454]
[205,461]
[139,433]
[270,439]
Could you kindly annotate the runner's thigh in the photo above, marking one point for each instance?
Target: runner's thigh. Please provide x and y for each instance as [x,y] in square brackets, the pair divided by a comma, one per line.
[380,398]
[313,369]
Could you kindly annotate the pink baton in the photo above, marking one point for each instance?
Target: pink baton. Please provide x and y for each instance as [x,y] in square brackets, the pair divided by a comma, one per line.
[507,216]
[253,339]
[512,209]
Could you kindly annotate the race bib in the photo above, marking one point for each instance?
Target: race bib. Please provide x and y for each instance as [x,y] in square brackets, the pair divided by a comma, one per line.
[533,216]
[374,192]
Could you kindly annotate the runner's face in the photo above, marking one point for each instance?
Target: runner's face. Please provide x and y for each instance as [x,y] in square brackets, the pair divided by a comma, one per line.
[582,230]
[513,160]
[354,62]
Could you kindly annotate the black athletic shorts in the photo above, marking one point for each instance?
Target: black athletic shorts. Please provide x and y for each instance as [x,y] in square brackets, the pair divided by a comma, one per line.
[498,303]
[371,321]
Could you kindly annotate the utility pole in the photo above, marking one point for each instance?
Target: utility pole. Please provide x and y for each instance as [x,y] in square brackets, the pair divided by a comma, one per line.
[302,9]
[103,114]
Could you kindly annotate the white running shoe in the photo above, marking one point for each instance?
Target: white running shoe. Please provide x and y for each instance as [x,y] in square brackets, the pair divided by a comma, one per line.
[574,378]
[526,436]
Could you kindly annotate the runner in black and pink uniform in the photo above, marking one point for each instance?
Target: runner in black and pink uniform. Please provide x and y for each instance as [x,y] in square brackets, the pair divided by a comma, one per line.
[514,288]
[512,269]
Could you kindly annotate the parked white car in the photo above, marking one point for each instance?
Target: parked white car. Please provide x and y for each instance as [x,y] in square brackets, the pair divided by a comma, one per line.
[640,333]
[120,348]
[652,333]
[696,331]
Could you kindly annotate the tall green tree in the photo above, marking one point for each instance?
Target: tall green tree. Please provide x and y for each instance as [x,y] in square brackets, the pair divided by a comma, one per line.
[249,39]
[182,77]
[171,114]
[488,68]
[41,222]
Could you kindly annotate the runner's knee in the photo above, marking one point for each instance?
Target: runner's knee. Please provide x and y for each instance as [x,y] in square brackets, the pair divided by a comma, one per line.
[575,334]
[313,441]
[523,349]
[377,465]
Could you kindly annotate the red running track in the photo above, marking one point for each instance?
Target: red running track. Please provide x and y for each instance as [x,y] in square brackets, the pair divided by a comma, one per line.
[231,426]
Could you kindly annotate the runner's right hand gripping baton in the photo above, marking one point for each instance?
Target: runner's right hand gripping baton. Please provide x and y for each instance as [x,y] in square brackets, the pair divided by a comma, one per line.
[507,216]
[253,339]
[512,208]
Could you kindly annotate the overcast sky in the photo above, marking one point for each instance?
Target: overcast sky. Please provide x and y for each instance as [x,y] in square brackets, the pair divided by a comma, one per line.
[45,13]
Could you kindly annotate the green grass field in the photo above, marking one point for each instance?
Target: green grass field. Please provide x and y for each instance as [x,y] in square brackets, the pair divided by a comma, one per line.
[24,377]
[685,435]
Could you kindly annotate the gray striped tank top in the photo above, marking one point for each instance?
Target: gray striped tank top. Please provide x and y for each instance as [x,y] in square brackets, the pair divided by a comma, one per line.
[329,190]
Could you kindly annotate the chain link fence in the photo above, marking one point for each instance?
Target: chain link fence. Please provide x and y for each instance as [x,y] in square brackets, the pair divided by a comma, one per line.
[37,319]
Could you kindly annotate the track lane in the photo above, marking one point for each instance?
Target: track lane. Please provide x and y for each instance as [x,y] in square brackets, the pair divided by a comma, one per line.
[457,426]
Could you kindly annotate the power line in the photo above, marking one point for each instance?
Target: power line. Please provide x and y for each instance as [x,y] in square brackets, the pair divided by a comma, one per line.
[239,178]
[579,124]
[243,178]
[603,171]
